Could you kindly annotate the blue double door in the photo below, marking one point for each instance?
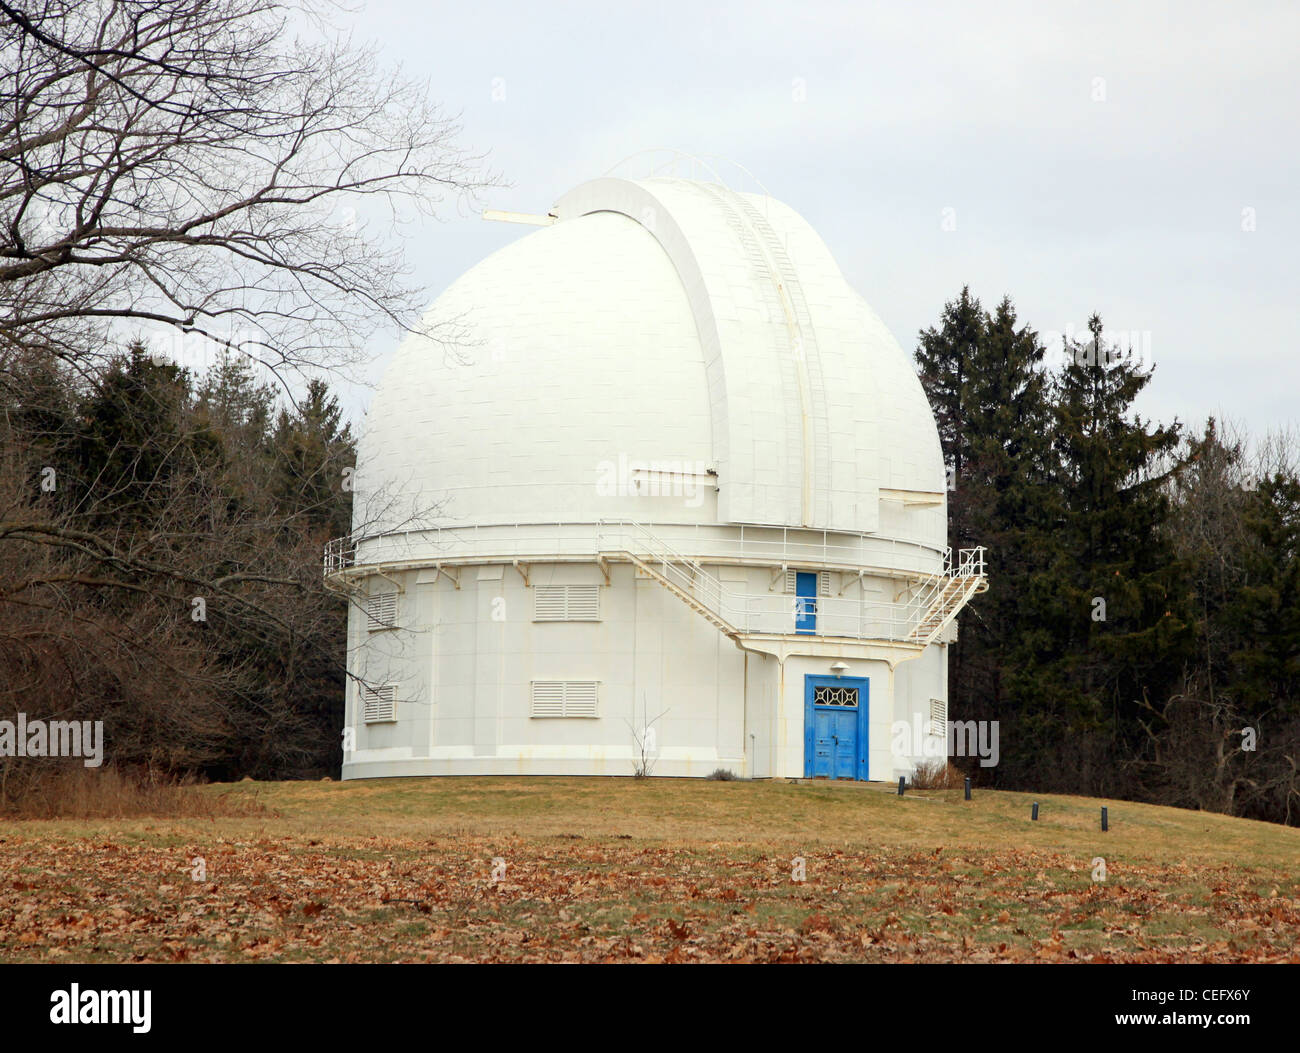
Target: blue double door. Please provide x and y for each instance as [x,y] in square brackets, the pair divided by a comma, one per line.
[836,714]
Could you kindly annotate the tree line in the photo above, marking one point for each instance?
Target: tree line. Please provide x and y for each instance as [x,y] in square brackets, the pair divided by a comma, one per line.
[160,545]
[232,172]
[1141,634]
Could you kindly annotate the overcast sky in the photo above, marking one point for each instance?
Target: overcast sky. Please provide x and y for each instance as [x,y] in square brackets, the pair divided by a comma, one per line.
[1093,156]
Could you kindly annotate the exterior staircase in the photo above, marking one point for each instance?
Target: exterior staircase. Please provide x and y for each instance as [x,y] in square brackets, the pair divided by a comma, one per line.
[952,594]
[930,611]
[681,575]
[664,573]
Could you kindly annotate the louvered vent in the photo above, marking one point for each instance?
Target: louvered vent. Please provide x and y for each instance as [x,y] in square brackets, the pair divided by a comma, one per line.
[938,716]
[379,704]
[566,603]
[381,611]
[791,581]
[564,698]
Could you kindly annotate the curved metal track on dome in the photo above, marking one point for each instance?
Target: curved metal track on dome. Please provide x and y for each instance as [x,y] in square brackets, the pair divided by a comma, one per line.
[807,436]
[766,252]
[705,161]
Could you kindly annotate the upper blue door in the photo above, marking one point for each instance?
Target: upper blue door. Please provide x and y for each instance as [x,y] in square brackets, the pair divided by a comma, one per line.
[836,713]
[805,590]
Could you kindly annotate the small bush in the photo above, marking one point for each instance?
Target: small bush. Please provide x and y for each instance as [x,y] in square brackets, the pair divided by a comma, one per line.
[722,775]
[937,775]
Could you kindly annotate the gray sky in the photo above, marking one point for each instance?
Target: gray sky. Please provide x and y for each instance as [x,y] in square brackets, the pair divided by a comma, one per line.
[1095,156]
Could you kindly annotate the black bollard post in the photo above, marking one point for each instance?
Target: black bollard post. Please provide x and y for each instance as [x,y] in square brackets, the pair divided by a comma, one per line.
[1104,824]
[1034,814]
[902,782]
[968,787]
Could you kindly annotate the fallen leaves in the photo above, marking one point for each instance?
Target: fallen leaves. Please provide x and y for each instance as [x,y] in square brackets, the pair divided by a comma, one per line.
[617,899]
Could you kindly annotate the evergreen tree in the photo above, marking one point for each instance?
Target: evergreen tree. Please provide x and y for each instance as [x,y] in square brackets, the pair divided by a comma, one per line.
[313,448]
[136,437]
[945,359]
[39,422]
[1010,510]
[1227,740]
[1144,601]
[178,563]
[233,402]
[998,443]
[1124,626]
[1210,494]
[1265,611]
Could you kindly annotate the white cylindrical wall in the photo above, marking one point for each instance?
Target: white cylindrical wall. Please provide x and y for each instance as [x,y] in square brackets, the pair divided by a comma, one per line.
[464,658]
[466,646]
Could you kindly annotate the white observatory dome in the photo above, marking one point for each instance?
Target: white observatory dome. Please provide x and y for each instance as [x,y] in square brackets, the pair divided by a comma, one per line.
[661,321]
[655,493]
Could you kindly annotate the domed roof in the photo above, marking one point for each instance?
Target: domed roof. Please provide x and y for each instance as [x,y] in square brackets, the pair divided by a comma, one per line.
[658,321]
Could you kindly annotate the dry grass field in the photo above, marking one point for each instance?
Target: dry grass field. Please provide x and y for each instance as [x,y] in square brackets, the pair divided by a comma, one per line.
[553,869]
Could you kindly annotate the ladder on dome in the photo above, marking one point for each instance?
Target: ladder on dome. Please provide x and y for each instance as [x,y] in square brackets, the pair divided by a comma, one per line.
[767,255]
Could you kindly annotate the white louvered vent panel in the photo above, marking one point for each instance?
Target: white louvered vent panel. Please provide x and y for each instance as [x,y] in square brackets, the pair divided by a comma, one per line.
[548,698]
[791,581]
[584,603]
[381,611]
[580,698]
[566,603]
[938,717]
[379,704]
[564,698]
[550,603]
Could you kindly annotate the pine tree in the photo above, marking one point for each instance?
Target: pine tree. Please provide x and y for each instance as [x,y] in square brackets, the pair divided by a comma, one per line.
[232,401]
[135,437]
[1210,494]
[1265,611]
[39,423]
[313,448]
[945,361]
[1009,509]
[1123,622]
[995,398]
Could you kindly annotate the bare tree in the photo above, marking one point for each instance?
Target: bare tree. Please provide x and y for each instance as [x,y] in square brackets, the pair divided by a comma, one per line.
[189,164]
[644,741]
[1222,742]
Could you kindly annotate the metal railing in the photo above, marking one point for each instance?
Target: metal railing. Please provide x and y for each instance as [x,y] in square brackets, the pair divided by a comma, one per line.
[340,554]
[862,617]
[686,573]
[758,545]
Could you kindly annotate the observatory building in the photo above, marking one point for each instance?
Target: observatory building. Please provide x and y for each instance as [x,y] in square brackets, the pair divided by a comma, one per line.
[659,493]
